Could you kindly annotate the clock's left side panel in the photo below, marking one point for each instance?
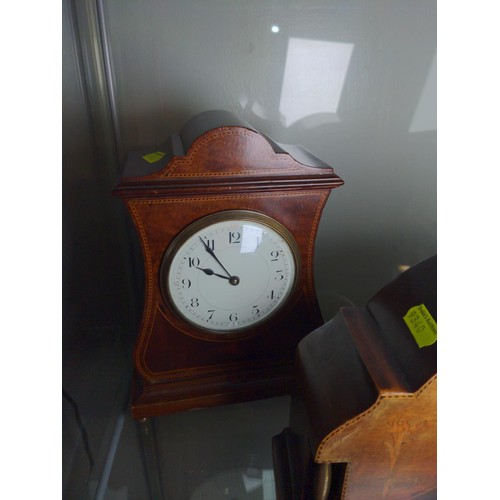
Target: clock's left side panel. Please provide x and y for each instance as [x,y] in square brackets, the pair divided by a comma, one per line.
[101,288]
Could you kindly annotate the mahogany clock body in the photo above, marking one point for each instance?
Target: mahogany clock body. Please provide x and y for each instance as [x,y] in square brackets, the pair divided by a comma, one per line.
[219,164]
[363,419]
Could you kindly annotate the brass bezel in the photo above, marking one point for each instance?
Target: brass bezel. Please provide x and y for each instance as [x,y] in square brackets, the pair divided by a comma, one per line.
[208,220]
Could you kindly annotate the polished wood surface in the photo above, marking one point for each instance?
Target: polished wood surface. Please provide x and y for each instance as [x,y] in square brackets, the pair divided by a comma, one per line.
[390,448]
[365,402]
[211,167]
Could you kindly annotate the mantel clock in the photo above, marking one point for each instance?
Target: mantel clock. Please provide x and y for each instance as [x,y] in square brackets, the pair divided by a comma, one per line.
[227,221]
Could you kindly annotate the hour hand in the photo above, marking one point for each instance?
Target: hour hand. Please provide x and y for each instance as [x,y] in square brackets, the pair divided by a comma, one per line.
[209,272]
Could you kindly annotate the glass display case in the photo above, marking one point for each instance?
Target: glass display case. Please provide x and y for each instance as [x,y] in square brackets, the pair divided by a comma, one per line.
[354,83]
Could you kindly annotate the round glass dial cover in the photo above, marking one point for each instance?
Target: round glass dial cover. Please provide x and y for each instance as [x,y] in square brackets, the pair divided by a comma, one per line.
[230,271]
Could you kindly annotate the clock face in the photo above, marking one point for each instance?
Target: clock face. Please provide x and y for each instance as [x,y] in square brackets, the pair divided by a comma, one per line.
[230,271]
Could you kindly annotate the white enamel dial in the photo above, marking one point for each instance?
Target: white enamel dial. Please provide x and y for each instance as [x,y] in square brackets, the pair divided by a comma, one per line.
[230,271]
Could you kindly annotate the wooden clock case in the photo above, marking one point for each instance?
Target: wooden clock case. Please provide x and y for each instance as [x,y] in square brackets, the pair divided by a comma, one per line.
[363,418]
[219,163]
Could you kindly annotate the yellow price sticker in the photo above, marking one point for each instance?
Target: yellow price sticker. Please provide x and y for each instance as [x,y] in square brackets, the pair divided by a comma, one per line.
[422,325]
[154,157]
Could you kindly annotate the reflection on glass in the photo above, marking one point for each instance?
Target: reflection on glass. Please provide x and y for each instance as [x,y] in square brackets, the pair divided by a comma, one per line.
[314,76]
[425,117]
[252,238]
[259,110]
[238,484]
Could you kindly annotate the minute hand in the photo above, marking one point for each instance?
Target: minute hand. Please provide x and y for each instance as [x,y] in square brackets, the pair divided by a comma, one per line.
[211,252]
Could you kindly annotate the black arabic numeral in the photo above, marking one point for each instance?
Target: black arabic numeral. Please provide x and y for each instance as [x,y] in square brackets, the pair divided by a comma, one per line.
[193,262]
[210,243]
[234,237]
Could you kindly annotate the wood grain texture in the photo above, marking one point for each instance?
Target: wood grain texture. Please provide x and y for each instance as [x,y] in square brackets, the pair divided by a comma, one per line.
[390,448]
[178,366]
[223,157]
[365,401]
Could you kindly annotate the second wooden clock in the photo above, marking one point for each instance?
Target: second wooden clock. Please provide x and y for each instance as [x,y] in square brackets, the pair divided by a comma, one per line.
[227,221]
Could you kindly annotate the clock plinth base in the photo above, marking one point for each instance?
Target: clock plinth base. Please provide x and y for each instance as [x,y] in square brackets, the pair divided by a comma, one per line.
[162,398]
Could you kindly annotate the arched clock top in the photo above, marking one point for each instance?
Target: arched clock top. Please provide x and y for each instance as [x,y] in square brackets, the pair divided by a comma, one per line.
[216,149]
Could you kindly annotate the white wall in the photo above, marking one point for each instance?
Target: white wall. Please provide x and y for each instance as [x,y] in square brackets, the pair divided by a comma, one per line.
[354,82]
